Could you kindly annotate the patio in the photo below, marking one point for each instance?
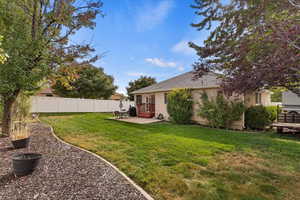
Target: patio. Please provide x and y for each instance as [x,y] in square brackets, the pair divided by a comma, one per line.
[138,120]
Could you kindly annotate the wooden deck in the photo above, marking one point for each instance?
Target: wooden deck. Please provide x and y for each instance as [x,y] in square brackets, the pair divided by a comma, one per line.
[280,126]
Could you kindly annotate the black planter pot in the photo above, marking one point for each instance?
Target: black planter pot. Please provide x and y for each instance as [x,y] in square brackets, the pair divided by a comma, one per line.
[18,144]
[25,163]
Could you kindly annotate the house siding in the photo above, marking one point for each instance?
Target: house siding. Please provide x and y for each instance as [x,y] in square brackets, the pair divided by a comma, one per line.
[249,99]
[265,99]
[160,106]
[212,94]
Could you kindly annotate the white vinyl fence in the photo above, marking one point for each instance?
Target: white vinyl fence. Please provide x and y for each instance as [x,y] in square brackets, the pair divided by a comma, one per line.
[59,105]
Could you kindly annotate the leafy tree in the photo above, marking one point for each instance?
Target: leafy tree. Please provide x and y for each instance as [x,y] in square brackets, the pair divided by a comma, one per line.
[180,105]
[36,38]
[254,43]
[142,82]
[92,83]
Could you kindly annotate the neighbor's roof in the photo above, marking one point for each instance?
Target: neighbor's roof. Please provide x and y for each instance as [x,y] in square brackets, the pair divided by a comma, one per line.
[185,80]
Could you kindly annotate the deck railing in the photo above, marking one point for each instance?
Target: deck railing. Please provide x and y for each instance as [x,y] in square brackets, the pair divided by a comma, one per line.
[289,118]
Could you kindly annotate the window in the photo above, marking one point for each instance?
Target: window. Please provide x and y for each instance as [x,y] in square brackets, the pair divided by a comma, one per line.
[152,99]
[166,98]
[139,99]
[258,98]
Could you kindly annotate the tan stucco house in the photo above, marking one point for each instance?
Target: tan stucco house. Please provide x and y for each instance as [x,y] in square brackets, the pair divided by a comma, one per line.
[151,101]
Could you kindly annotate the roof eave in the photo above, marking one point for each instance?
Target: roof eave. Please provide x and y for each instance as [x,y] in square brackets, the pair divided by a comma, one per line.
[156,91]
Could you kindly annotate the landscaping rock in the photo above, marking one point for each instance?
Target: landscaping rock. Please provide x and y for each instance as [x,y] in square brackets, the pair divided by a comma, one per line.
[64,172]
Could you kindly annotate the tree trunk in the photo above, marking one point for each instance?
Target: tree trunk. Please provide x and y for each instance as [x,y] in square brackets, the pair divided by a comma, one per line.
[7,115]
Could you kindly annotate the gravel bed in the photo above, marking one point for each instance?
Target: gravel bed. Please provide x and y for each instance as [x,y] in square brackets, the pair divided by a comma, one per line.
[64,173]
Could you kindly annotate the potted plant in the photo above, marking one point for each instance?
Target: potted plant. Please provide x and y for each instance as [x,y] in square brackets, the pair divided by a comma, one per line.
[21,112]
[25,163]
[20,135]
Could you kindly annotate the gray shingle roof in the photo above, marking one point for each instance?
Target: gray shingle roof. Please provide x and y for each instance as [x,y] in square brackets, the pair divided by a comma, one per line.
[185,80]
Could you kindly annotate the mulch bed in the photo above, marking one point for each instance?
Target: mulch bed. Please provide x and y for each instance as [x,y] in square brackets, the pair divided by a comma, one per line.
[64,173]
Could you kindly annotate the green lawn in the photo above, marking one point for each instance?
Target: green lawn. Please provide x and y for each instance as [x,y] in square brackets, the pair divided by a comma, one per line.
[188,161]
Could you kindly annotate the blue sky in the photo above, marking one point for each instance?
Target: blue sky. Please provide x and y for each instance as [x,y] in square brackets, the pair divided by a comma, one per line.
[144,37]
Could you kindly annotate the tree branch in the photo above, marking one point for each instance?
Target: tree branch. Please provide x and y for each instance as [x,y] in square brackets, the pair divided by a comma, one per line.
[297,5]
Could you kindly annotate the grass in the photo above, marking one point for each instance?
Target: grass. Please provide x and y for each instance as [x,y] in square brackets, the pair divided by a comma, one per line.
[188,161]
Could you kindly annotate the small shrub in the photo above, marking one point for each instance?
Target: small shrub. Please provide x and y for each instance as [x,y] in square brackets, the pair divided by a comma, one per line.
[257,117]
[220,113]
[273,111]
[180,106]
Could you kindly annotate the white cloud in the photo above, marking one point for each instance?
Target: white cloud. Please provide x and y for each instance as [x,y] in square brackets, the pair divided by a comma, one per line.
[183,47]
[122,90]
[153,15]
[136,74]
[180,68]
[161,63]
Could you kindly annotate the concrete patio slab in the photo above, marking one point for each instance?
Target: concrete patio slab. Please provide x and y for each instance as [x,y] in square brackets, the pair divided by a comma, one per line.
[138,120]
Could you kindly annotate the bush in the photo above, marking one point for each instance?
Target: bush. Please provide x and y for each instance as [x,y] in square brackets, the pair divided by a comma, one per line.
[258,117]
[180,106]
[132,111]
[272,110]
[220,113]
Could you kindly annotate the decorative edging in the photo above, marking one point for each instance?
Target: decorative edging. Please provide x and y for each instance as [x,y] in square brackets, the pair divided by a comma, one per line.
[141,190]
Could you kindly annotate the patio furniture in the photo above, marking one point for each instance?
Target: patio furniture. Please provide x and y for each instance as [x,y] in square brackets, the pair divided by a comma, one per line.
[121,114]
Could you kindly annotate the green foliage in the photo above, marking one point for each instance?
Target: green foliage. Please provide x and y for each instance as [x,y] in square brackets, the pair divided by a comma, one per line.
[276,95]
[19,72]
[36,38]
[141,82]
[273,111]
[92,83]
[220,113]
[180,105]
[258,117]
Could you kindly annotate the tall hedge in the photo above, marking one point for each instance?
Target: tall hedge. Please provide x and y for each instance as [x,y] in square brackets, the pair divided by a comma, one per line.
[180,105]
[257,117]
